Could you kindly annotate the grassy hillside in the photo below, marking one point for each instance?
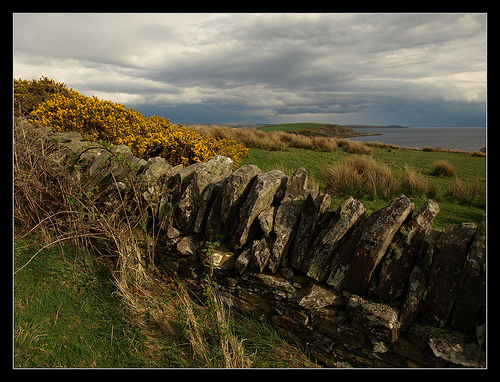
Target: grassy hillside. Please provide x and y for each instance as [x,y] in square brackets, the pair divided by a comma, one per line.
[314,129]
[470,171]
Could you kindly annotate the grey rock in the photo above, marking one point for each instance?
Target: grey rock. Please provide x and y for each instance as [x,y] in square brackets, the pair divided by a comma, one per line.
[261,253]
[314,297]
[317,264]
[202,176]
[470,307]
[244,259]
[374,242]
[380,320]
[261,195]
[285,227]
[155,168]
[448,262]
[224,213]
[266,220]
[65,137]
[418,280]
[313,208]
[400,256]
[189,245]
[298,183]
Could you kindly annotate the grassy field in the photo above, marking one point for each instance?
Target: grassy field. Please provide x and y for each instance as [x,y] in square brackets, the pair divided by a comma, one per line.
[469,169]
[67,313]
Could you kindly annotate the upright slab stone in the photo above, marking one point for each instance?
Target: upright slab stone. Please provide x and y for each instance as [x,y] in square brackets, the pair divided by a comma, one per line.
[261,195]
[224,214]
[266,220]
[217,168]
[261,253]
[400,257]
[448,262]
[206,204]
[317,263]
[419,279]
[285,226]
[374,242]
[343,258]
[298,184]
[314,205]
[470,308]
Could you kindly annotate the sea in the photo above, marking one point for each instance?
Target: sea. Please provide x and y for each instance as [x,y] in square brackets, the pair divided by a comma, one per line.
[454,138]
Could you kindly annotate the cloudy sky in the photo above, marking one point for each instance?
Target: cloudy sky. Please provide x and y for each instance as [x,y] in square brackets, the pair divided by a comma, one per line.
[405,69]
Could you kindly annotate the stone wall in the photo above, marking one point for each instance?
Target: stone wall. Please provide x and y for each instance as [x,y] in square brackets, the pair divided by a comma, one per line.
[379,290]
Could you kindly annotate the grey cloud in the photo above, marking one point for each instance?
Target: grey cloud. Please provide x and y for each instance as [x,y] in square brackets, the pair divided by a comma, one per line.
[278,63]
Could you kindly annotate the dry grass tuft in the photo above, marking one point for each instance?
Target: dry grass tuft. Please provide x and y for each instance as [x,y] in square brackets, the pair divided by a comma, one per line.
[444,168]
[355,147]
[360,175]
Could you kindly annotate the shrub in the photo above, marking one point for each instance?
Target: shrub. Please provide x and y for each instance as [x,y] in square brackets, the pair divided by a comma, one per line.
[359,175]
[98,119]
[28,94]
[443,168]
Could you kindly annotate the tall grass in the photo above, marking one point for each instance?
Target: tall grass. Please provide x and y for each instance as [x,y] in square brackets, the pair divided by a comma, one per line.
[359,176]
[444,168]
[363,176]
[413,183]
[279,140]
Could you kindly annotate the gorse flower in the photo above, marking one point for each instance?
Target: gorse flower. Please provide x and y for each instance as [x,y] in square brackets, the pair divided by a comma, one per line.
[152,136]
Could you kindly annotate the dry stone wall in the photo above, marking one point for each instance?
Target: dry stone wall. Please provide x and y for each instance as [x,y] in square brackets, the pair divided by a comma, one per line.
[359,290]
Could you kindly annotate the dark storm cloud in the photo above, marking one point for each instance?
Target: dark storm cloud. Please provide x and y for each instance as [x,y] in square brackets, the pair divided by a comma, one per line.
[268,66]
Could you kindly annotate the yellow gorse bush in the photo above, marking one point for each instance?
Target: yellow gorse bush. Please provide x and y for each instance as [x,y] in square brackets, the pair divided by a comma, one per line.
[98,119]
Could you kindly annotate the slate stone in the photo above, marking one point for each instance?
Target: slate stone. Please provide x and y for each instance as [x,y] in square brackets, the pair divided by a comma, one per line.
[317,263]
[448,262]
[298,183]
[470,306]
[312,210]
[314,297]
[261,195]
[378,319]
[418,280]
[400,256]
[217,168]
[374,242]
[285,226]
[224,213]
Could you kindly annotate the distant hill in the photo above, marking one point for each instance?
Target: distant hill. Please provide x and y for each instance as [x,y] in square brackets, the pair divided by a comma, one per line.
[234,125]
[378,127]
[303,128]
[316,129]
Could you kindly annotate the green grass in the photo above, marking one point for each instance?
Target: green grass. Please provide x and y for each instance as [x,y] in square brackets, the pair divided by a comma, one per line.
[469,169]
[65,312]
